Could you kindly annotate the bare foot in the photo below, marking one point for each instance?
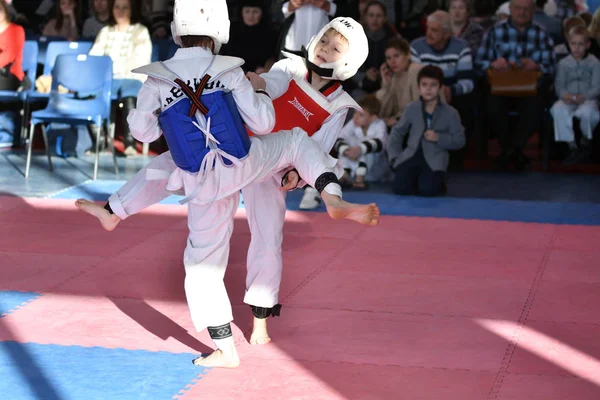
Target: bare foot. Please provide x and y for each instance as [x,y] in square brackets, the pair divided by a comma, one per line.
[366,214]
[109,221]
[219,359]
[259,332]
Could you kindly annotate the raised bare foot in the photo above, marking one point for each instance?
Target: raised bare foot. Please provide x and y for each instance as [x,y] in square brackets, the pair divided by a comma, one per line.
[259,332]
[219,359]
[366,214]
[109,221]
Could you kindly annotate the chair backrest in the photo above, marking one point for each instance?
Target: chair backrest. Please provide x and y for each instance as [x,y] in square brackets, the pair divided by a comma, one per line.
[56,48]
[29,64]
[88,76]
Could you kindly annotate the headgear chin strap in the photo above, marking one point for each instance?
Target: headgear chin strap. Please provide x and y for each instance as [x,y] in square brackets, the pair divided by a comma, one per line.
[322,72]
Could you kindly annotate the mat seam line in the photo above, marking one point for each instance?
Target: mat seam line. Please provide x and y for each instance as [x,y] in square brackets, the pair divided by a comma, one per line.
[22,305]
[49,196]
[510,350]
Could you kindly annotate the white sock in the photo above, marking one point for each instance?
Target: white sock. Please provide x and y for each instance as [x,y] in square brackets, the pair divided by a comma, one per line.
[334,189]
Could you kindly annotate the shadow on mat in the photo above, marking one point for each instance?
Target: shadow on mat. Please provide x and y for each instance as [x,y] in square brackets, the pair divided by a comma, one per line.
[158,324]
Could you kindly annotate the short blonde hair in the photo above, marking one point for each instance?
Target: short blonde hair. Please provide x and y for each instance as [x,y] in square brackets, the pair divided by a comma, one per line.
[336,33]
[579,31]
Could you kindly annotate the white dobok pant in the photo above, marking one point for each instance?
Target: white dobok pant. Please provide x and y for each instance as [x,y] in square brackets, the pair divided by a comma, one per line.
[563,114]
[210,213]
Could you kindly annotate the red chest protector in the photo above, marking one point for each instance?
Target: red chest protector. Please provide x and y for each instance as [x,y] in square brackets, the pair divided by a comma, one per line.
[296,108]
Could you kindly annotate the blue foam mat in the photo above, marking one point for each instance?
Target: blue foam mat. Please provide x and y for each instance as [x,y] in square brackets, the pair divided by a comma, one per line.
[441,207]
[30,371]
[11,300]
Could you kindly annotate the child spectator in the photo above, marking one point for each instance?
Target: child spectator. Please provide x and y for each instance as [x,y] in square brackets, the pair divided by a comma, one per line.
[578,87]
[562,50]
[362,143]
[433,127]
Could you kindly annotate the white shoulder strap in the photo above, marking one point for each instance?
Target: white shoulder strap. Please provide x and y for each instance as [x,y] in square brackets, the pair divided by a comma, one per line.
[223,64]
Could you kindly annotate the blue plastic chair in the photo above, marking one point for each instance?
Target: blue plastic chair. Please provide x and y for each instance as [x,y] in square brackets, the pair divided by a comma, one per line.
[92,81]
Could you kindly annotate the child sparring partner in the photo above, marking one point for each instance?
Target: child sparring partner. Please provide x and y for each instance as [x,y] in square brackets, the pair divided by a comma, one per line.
[307,93]
[214,160]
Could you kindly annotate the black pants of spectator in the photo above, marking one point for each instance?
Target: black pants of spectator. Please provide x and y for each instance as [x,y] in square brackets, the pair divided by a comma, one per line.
[415,176]
[8,81]
[530,115]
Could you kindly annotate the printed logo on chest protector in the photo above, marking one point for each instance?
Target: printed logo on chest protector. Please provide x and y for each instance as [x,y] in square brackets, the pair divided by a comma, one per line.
[307,114]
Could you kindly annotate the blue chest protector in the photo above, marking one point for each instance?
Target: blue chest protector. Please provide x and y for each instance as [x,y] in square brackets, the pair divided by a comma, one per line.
[187,143]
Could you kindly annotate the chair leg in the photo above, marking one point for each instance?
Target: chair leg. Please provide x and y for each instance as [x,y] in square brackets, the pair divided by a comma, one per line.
[24,120]
[29,148]
[109,128]
[46,143]
[97,153]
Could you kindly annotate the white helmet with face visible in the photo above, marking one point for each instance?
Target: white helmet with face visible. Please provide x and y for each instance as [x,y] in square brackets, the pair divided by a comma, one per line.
[349,63]
[203,18]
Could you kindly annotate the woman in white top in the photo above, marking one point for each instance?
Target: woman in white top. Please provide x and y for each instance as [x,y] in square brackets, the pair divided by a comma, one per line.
[127,42]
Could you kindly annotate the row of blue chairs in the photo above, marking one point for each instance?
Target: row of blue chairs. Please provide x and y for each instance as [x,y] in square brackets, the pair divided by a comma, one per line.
[67,108]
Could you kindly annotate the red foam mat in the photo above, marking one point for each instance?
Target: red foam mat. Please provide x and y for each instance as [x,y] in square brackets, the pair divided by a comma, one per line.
[416,308]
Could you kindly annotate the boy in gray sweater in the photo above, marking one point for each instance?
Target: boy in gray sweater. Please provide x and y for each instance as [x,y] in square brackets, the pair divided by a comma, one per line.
[578,88]
[433,128]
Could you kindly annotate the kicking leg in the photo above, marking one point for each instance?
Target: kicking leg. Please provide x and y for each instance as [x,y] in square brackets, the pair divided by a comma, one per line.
[205,260]
[274,152]
[137,194]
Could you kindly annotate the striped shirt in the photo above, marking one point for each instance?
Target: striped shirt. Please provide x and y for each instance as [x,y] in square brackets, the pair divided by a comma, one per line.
[455,60]
[504,40]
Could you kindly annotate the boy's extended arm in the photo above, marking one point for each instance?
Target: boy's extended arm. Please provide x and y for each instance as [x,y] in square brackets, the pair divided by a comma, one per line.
[143,120]
[256,109]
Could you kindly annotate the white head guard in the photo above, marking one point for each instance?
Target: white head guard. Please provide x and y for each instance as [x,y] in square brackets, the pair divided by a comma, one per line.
[348,65]
[203,18]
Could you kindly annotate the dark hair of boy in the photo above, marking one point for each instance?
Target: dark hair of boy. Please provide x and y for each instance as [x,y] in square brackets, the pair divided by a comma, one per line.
[370,104]
[399,44]
[198,41]
[433,72]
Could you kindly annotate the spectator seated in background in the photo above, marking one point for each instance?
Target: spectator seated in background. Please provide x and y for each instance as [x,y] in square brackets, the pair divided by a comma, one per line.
[433,127]
[127,43]
[462,26]
[252,29]
[378,31]
[99,19]
[517,44]
[399,81]
[453,56]
[66,23]
[578,88]
[12,41]
[361,146]
[562,50]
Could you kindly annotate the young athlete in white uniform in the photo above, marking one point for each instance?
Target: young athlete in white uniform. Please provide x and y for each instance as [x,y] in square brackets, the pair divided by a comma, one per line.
[307,93]
[181,98]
